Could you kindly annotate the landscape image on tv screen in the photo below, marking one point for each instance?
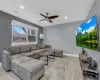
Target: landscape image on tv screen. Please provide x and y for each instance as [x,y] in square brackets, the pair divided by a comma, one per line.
[86,35]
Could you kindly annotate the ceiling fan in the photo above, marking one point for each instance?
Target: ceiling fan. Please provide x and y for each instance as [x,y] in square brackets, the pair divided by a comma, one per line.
[48,18]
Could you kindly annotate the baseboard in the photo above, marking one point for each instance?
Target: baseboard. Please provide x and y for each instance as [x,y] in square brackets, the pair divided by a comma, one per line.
[73,55]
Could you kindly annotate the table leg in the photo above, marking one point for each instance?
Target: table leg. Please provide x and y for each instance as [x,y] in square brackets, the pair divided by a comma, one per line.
[97,76]
[47,60]
[38,56]
[54,55]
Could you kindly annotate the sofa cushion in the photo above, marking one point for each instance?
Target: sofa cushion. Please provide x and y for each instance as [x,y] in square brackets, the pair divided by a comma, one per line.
[40,46]
[47,46]
[58,52]
[16,56]
[25,48]
[13,50]
[33,47]
[16,62]
[31,67]
[28,54]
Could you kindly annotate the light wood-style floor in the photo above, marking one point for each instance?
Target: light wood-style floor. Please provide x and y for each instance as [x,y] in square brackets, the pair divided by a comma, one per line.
[65,68]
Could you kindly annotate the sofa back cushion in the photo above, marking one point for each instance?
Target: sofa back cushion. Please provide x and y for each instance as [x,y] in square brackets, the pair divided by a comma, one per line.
[33,47]
[13,50]
[40,46]
[25,48]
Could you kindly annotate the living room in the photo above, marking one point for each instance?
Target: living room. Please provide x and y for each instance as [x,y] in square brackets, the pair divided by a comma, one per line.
[48,30]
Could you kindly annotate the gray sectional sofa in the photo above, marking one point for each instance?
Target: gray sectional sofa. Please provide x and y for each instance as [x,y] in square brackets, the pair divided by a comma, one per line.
[21,60]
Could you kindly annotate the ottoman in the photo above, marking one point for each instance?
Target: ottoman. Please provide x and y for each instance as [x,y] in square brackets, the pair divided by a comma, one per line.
[16,62]
[31,70]
[58,53]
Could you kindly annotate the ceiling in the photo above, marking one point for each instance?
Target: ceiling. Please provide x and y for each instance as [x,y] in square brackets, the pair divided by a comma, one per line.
[75,10]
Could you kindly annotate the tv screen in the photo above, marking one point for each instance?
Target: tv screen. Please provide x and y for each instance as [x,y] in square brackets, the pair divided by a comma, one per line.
[86,34]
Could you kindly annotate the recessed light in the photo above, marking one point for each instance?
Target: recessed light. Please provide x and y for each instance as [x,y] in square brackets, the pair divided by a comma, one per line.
[66,17]
[22,7]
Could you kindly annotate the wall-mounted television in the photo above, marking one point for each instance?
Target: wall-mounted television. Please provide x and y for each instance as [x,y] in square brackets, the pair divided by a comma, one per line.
[87,34]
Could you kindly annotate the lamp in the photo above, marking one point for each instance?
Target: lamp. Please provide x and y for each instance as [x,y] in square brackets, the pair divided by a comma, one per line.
[41,36]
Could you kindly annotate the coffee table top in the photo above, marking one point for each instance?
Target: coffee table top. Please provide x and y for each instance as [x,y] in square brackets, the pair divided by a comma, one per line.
[46,53]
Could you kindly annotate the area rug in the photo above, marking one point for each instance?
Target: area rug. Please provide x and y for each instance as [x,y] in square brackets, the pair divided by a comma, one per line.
[65,68]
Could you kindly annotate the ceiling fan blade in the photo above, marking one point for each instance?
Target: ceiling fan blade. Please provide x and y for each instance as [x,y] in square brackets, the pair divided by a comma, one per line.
[53,17]
[43,15]
[42,20]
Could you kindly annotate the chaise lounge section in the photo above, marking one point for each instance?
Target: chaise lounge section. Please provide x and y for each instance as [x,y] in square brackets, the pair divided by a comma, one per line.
[30,71]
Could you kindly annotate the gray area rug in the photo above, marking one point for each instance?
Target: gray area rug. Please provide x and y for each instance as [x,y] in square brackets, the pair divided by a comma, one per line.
[65,68]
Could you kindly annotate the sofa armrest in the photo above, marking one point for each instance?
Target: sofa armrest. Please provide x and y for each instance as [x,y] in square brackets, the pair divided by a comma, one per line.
[48,46]
[6,60]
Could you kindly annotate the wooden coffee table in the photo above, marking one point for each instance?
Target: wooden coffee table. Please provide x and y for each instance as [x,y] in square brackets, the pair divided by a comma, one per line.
[47,54]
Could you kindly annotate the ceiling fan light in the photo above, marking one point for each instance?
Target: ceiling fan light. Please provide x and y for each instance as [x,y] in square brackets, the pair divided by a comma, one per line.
[45,21]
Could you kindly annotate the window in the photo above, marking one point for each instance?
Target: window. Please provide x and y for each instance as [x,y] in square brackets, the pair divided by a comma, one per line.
[32,35]
[23,33]
[19,34]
